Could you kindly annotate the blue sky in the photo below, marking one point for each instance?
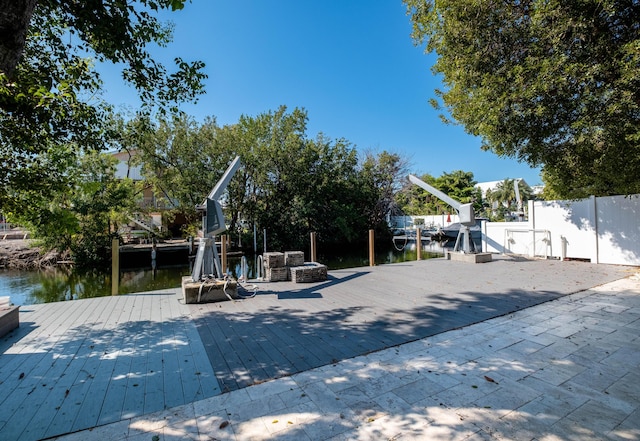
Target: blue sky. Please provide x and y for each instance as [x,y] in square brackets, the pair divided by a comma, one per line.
[350,63]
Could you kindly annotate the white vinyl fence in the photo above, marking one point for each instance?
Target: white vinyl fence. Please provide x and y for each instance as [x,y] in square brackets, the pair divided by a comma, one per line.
[598,229]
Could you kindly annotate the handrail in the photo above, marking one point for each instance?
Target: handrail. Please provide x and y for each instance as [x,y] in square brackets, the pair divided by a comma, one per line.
[547,233]
[260,271]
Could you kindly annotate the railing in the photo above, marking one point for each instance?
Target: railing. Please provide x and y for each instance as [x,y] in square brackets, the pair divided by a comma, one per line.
[546,240]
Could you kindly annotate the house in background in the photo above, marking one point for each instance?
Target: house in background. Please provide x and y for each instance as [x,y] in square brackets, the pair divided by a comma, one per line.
[508,196]
[149,220]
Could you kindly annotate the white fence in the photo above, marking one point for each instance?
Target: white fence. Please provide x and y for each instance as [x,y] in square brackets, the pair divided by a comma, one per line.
[601,230]
[598,229]
[436,221]
[516,238]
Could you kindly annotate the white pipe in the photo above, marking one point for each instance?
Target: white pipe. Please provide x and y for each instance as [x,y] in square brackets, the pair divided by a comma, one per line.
[264,237]
[243,269]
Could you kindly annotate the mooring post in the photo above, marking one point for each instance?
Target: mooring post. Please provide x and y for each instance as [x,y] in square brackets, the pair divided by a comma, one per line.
[372,259]
[313,247]
[115,266]
[223,251]
[418,244]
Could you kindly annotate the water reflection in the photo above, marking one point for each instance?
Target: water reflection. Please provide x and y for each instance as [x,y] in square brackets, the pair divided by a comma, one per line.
[65,283]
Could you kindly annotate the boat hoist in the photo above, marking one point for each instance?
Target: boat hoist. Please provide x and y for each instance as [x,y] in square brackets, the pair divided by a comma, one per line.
[465,213]
[207,263]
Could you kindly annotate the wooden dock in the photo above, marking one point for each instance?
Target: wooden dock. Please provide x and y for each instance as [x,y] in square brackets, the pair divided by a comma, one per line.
[289,328]
[79,364]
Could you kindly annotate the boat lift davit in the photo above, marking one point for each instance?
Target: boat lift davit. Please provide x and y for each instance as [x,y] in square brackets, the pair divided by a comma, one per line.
[466,214]
[207,263]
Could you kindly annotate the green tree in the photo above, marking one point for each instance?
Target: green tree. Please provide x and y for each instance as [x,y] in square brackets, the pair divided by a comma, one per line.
[413,200]
[180,158]
[459,185]
[552,83]
[381,176]
[294,185]
[503,200]
[50,90]
[84,218]
[288,183]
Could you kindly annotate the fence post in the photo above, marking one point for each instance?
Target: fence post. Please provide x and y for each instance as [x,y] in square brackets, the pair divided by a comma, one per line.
[372,256]
[418,244]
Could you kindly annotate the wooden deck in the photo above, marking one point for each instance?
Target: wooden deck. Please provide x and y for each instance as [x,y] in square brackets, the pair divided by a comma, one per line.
[289,328]
[78,364]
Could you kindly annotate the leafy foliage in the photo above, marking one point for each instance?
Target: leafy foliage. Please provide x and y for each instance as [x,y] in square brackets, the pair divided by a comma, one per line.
[459,185]
[179,157]
[50,104]
[288,183]
[82,218]
[552,83]
[382,175]
[502,199]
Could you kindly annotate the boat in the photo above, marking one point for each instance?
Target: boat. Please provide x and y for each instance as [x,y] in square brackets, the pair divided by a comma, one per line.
[410,234]
[450,232]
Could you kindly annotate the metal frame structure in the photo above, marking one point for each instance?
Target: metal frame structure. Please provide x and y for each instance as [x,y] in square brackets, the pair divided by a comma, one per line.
[465,213]
[207,263]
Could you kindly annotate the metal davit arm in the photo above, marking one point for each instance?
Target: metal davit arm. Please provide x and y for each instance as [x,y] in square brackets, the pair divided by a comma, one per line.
[221,186]
[207,260]
[437,193]
[465,213]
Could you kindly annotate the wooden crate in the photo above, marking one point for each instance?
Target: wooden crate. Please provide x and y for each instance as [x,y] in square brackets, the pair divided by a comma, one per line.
[273,260]
[293,258]
[276,274]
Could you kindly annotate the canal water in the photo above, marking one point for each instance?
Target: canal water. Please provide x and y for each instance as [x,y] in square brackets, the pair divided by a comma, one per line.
[64,283]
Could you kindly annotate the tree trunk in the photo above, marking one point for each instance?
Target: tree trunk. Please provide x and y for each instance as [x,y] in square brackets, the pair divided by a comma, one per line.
[15,16]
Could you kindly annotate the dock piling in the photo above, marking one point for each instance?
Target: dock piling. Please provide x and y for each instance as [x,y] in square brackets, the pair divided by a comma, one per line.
[372,257]
[115,266]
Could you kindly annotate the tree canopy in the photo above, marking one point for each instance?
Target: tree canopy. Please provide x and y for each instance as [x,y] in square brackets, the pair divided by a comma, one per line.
[50,90]
[458,184]
[289,183]
[502,201]
[84,217]
[552,83]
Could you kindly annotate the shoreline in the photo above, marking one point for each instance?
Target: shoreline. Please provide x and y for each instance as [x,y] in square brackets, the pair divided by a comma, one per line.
[22,254]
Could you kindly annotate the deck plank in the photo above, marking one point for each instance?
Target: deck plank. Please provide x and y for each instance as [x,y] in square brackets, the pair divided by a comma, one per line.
[154,385]
[124,356]
[362,310]
[52,369]
[171,372]
[102,352]
[133,403]
[196,364]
